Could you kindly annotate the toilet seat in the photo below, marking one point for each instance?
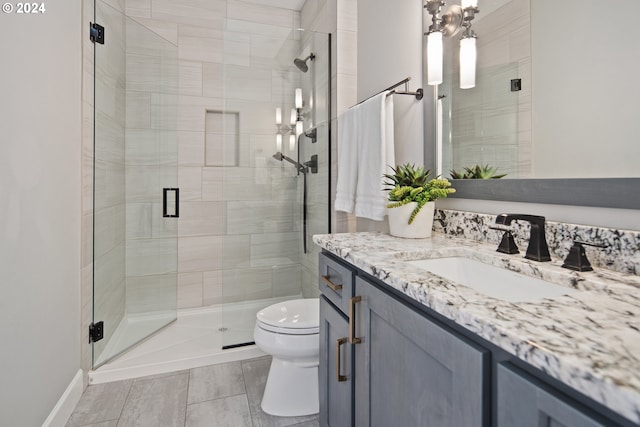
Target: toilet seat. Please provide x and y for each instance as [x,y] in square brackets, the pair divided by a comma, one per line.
[296,317]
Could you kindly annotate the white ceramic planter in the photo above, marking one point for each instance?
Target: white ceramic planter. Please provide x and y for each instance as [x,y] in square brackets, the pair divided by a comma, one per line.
[421,226]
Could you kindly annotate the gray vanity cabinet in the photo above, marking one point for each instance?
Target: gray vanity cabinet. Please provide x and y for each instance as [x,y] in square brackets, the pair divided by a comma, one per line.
[525,402]
[409,371]
[335,370]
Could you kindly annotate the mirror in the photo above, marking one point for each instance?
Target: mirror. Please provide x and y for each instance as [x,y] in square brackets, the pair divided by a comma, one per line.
[574,120]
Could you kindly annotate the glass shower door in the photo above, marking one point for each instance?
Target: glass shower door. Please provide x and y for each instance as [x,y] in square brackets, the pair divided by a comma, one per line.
[136,201]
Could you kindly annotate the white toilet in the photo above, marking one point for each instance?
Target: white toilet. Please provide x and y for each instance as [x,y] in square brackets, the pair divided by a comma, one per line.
[289,331]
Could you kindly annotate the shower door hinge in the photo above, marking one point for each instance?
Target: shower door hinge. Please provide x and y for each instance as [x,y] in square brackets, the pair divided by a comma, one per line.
[96,331]
[96,33]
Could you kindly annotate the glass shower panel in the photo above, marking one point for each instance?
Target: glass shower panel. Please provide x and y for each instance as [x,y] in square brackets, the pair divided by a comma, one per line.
[264,190]
[135,159]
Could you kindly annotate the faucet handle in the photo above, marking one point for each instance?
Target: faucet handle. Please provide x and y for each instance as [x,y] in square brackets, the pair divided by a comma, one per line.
[577,257]
[507,244]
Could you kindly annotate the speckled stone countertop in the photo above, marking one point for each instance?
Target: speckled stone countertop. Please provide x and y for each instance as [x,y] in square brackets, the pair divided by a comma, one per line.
[589,340]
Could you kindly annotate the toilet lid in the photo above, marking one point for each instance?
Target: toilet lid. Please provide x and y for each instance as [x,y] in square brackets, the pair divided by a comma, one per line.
[300,316]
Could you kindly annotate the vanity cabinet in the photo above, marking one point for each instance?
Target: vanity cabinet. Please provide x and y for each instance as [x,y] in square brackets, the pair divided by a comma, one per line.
[335,373]
[336,367]
[406,370]
[385,361]
[525,402]
[410,371]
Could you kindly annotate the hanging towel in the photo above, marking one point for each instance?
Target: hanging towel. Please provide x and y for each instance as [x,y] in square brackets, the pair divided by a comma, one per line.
[348,123]
[375,155]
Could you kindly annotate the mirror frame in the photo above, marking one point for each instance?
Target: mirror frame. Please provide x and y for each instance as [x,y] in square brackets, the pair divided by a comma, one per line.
[594,192]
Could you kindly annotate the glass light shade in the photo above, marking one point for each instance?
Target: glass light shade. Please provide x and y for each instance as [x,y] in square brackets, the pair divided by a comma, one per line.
[298,98]
[292,142]
[434,58]
[299,128]
[278,142]
[278,116]
[294,116]
[468,3]
[467,63]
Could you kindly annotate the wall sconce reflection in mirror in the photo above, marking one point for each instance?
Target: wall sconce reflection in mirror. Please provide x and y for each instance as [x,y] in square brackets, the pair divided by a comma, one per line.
[455,19]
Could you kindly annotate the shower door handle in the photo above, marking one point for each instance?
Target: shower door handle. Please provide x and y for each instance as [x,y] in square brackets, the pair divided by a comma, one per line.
[176,213]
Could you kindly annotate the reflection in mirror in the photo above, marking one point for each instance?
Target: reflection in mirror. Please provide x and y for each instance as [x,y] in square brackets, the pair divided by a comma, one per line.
[575,112]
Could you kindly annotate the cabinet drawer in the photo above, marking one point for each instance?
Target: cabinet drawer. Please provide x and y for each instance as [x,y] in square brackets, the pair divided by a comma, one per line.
[336,282]
[527,402]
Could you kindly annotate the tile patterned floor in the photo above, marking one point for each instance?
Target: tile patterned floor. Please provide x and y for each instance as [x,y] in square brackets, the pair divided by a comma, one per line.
[227,394]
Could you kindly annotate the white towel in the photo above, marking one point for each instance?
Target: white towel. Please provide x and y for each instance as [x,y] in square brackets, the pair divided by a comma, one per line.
[348,123]
[375,155]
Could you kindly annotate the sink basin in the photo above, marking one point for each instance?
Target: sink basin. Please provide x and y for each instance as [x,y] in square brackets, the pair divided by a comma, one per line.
[493,281]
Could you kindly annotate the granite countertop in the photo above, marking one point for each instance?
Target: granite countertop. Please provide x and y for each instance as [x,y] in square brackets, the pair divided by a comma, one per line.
[589,339]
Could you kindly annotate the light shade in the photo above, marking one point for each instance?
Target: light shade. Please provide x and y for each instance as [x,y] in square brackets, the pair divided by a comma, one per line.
[278,142]
[292,142]
[278,116]
[298,98]
[468,3]
[294,116]
[434,58]
[299,128]
[467,63]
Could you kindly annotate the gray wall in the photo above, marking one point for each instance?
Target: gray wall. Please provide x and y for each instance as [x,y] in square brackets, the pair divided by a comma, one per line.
[40,210]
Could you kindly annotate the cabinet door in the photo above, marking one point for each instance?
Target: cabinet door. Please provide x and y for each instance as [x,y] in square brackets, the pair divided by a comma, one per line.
[411,371]
[335,370]
[526,402]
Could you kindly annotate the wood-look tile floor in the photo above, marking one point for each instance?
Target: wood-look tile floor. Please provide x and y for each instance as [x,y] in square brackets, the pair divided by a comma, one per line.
[228,394]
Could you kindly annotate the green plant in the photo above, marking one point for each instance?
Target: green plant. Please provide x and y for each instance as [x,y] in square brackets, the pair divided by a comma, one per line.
[477,172]
[410,184]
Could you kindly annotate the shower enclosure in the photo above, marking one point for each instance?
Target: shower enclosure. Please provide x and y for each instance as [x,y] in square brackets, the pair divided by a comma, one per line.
[191,208]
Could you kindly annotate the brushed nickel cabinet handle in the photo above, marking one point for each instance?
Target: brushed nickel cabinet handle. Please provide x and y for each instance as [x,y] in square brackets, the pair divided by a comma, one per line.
[339,342]
[352,320]
[330,284]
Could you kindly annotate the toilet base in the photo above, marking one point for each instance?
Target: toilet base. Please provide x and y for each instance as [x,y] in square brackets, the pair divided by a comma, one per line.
[291,390]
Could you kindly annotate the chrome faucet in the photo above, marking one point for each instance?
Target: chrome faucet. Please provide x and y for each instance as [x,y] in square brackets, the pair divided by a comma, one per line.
[538,250]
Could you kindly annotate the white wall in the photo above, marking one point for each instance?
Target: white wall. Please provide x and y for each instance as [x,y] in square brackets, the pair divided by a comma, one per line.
[593,131]
[390,50]
[40,210]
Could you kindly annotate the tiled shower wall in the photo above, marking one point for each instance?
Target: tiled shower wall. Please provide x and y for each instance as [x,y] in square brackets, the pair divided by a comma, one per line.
[238,238]
[490,123]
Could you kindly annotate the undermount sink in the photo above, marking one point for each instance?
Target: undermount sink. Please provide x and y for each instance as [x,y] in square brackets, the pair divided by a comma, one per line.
[492,281]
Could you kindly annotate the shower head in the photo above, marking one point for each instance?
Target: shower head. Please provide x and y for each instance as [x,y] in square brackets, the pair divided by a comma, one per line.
[278,156]
[302,63]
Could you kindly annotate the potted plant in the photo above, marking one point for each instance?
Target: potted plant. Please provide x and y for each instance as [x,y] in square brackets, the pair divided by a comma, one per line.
[411,196]
[477,172]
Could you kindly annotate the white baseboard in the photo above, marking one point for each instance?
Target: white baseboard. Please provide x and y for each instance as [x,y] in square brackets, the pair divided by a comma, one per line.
[66,404]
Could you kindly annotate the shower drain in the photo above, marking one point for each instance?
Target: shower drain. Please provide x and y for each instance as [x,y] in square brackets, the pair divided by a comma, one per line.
[223,329]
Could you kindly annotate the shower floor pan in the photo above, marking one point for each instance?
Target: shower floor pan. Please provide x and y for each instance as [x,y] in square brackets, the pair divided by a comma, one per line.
[195,339]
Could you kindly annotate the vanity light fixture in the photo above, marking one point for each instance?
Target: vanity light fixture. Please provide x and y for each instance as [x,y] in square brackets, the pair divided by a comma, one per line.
[452,21]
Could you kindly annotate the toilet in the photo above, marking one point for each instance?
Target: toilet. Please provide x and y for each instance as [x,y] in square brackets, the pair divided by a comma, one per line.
[289,332]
